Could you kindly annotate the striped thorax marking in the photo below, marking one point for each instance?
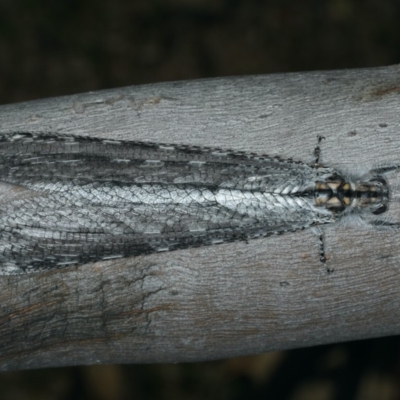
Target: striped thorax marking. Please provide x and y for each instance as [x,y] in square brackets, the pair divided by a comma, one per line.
[339,195]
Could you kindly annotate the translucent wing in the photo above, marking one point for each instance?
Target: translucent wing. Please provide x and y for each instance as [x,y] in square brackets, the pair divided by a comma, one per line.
[78,199]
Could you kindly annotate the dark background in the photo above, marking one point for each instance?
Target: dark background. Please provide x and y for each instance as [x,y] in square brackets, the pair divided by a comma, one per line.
[50,48]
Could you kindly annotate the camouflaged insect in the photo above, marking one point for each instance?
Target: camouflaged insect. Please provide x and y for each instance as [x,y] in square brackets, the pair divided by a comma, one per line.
[71,200]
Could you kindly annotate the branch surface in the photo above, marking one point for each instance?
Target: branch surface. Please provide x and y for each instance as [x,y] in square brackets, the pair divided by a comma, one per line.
[231,299]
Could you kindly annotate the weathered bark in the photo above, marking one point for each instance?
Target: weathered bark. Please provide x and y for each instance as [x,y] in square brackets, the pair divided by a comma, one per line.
[231,299]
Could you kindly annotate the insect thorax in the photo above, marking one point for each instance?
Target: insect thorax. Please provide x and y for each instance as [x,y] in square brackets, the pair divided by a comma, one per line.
[340,195]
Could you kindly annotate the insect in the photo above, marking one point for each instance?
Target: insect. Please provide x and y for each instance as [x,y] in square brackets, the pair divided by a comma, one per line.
[68,200]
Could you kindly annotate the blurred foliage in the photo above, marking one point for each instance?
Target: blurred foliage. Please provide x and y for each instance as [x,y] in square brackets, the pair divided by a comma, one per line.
[50,48]
[363,370]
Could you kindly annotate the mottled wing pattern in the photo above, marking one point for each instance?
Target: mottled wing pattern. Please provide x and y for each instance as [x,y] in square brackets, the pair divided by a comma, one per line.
[68,199]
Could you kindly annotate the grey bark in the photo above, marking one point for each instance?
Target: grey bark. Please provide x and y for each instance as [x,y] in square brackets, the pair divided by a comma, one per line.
[231,299]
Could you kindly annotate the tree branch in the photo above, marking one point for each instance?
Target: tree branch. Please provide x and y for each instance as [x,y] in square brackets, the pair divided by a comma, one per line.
[231,299]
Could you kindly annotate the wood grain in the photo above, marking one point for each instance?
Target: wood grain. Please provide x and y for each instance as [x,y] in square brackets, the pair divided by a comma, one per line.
[230,299]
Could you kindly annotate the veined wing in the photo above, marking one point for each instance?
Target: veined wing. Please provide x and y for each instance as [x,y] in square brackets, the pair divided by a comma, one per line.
[88,200]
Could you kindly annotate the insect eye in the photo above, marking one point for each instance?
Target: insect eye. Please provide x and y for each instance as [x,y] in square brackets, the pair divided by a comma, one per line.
[380,210]
[380,180]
